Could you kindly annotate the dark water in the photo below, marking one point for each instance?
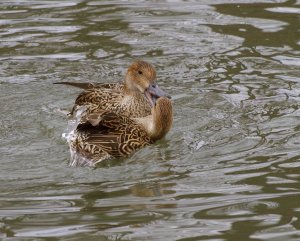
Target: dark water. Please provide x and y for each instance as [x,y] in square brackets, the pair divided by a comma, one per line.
[228,170]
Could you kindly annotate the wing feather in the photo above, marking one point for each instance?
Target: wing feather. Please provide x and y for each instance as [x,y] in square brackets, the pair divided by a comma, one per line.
[86,86]
[116,135]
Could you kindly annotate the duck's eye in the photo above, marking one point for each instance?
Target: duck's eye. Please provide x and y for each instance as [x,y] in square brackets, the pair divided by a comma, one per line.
[140,72]
[153,86]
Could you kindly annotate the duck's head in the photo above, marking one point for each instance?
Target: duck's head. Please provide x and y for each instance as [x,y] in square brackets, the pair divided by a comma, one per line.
[141,78]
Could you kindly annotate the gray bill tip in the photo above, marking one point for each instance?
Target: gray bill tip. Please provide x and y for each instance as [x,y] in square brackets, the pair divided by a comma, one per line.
[155,90]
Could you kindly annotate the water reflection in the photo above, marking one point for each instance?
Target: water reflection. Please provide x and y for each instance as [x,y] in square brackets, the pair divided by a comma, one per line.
[261,25]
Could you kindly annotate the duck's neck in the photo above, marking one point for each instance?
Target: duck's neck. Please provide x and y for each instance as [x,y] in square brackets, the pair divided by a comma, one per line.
[129,87]
[160,122]
[133,97]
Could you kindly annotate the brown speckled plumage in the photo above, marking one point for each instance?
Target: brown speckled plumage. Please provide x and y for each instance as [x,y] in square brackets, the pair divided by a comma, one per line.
[100,99]
[126,98]
[106,135]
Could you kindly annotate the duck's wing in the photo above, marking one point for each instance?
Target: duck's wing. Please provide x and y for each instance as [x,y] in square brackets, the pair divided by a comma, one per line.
[113,134]
[98,99]
[78,85]
[86,86]
[113,86]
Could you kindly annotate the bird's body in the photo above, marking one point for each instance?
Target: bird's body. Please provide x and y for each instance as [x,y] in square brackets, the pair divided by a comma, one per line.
[115,100]
[107,135]
[133,98]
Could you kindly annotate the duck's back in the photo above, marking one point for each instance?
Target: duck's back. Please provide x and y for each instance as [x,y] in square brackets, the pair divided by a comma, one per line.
[112,97]
[87,85]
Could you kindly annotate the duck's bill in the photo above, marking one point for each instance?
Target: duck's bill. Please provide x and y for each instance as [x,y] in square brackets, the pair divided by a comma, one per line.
[154,92]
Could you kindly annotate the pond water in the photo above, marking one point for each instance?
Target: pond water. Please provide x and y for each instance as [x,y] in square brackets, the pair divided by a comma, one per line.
[228,170]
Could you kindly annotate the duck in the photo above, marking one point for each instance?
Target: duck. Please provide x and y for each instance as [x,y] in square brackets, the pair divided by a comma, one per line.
[134,97]
[108,135]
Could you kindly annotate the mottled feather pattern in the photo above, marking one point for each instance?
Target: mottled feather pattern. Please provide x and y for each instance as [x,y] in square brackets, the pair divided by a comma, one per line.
[131,98]
[111,99]
[115,136]
[115,120]
[86,86]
